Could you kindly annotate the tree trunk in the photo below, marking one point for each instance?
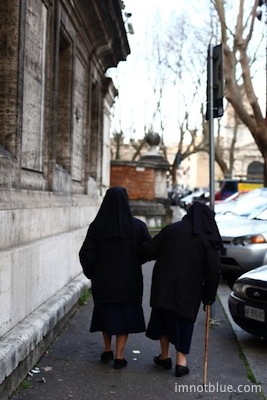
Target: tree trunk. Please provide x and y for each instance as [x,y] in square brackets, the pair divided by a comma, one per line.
[242,97]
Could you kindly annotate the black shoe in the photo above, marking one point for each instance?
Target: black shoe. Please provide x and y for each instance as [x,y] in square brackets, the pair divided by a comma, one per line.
[181,370]
[118,363]
[107,356]
[166,363]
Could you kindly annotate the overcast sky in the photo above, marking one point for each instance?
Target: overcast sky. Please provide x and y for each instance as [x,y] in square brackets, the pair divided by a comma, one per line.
[131,77]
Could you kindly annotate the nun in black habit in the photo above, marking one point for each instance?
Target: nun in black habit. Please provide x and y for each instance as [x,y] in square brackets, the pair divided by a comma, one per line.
[186,273]
[111,257]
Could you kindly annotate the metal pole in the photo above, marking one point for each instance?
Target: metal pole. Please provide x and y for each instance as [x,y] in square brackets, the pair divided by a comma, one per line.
[211,147]
[211,129]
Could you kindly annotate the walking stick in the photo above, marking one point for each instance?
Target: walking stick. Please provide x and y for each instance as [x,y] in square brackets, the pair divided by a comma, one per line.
[206,343]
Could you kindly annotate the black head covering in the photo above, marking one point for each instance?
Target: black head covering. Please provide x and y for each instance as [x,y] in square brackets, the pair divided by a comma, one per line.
[204,224]
[114,218]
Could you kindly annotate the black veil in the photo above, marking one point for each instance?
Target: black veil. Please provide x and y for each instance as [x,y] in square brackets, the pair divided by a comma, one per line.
[114,218]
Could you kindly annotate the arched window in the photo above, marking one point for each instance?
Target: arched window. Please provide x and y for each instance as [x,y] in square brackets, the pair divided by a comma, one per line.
[255,170]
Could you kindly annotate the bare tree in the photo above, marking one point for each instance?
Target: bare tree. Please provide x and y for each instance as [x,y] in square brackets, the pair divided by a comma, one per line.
[191,66]
[185,66]
[182,58]
[242,96]
[118,139]
[240,55]
[138,146]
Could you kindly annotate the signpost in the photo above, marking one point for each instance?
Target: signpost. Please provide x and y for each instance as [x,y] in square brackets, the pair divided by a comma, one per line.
[215,89]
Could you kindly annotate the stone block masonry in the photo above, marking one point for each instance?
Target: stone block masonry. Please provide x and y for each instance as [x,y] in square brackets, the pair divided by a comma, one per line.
[55,111]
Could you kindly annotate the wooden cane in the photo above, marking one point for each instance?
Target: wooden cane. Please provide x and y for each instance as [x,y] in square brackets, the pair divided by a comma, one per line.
[206,343]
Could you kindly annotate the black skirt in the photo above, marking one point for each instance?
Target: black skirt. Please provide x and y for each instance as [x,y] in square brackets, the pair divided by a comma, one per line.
[118,319]
[166,323]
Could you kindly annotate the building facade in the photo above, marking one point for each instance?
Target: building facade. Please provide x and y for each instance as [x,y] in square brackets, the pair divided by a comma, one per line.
[55,102]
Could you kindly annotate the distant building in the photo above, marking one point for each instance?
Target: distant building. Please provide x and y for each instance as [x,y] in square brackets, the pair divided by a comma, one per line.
[194,170]
[248,160]
[55,102]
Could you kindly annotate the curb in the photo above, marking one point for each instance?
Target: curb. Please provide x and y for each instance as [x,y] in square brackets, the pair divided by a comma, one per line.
[23,345]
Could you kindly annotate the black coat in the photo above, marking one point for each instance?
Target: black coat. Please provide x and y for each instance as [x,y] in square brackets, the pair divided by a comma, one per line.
[114,266]
[186,271]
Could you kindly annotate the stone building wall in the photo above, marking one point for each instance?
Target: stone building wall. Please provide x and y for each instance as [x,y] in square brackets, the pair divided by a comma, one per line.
[55,102]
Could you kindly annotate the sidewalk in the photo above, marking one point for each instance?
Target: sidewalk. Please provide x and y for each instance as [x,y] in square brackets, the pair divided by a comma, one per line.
[71,369]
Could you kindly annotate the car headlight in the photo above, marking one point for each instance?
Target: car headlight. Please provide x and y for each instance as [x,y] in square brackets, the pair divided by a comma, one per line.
[239,290]
[250,239]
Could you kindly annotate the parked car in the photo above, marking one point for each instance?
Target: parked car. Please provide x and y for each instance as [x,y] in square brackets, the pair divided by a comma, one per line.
[248,301]
[176,193]
[245,242]
[238,204]
[186,201]
[231,186]
[223,206]
[242,204]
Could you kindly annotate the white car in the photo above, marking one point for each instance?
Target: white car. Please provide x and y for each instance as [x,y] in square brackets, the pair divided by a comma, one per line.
[186,201]
[245,243]
[248,302]
[241,204]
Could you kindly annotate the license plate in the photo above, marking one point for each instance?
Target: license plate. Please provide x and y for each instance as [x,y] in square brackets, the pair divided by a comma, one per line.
[254,313]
